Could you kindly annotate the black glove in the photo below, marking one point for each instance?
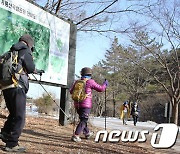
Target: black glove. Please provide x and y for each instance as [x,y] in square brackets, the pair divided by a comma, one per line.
[39,71]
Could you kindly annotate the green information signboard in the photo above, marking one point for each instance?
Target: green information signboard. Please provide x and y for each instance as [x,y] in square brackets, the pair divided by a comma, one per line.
[51,35]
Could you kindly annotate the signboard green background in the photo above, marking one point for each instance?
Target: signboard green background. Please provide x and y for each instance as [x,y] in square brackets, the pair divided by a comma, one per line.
[51,36]
[12,26]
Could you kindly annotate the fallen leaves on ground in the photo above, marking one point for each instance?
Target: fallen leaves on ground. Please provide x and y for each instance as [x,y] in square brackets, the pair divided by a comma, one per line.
[44,135]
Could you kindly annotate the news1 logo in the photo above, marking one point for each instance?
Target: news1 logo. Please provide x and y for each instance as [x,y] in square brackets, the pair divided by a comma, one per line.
[168,136]
[164,136]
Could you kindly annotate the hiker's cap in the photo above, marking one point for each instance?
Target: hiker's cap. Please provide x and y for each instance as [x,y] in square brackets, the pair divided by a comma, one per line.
[125,103]
[135,103]
[86,71]
[28,39]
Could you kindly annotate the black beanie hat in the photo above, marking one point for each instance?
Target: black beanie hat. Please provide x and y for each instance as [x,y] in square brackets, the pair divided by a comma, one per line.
[28,39]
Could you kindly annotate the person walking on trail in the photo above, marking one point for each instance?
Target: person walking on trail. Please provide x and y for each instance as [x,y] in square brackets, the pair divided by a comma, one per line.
[15,96]
[83,105]
[135,112]
[124,112]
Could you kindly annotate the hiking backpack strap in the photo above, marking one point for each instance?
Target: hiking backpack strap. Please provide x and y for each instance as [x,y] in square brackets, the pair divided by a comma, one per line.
[16,75]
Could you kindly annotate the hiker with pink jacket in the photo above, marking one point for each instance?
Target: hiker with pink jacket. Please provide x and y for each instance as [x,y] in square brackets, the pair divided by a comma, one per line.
[83,108]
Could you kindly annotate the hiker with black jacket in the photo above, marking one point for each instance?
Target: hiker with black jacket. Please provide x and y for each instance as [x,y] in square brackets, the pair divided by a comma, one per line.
[135,112]
[15,95]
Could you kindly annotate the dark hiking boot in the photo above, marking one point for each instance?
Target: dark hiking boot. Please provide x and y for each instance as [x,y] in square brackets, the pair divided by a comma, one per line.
[15,149]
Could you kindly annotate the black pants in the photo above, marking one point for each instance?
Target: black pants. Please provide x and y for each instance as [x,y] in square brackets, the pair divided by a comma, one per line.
[15,99]
[135,118]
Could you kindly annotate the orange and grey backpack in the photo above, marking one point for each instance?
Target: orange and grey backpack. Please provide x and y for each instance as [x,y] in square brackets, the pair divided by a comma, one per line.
[79,93]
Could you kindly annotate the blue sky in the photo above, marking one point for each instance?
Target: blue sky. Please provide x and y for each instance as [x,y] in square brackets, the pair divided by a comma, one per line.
[36,91]
[90,50]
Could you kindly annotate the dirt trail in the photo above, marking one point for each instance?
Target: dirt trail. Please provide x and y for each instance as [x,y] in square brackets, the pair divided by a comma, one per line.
[44,135]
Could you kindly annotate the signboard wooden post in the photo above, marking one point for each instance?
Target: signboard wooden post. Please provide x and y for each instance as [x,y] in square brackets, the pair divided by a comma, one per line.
[64,100]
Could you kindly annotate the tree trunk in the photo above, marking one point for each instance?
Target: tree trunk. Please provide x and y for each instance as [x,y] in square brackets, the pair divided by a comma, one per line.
[175,111]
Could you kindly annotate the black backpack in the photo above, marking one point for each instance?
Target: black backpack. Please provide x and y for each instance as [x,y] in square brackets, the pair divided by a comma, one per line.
[9,69]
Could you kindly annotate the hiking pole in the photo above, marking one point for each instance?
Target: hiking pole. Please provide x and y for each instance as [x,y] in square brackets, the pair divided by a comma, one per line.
[74,122]
[105,107]
[51,97]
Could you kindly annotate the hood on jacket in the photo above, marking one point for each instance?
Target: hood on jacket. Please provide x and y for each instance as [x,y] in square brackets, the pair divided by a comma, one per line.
[28,39]
[19,46]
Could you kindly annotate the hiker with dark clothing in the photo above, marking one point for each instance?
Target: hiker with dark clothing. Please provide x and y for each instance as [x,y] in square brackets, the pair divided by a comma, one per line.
[135,112]
[83,108]
[15,95]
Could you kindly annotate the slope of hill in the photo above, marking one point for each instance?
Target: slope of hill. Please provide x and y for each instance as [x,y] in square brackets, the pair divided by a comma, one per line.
[44,135]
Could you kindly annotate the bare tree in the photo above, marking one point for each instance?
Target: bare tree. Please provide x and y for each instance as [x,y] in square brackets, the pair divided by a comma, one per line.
[91,15]
[161,32]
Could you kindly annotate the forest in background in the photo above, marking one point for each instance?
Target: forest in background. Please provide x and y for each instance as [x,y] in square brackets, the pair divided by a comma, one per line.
[128,81]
